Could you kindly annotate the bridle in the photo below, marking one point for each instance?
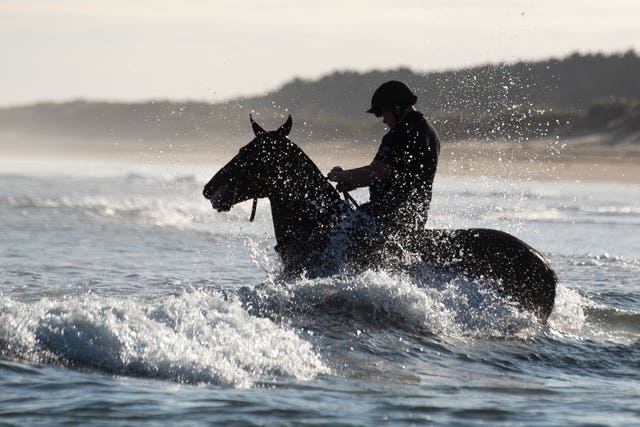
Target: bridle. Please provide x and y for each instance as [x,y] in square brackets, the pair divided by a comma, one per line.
[253,209]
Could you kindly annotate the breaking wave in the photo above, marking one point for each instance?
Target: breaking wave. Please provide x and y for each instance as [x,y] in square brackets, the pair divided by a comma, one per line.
[193,337]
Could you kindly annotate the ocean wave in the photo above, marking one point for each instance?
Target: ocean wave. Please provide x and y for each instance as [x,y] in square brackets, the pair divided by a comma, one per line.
[165,179]
[568,214]
[420,301]
[601,260]
[491,193]
[533,215]
[578,317]
[623,322]
[617,210]
[444,304]
[193,337]
[184,213]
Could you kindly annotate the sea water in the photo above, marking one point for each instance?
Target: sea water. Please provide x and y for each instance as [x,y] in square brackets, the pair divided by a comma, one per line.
[125,299]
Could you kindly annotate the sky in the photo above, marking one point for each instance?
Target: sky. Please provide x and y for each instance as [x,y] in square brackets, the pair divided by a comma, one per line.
[139,50]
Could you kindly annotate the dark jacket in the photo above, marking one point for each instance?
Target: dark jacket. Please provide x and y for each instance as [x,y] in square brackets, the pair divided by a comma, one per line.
[411,151]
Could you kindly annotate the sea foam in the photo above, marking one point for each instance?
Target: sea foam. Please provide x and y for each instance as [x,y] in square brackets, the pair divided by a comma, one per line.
[193,337]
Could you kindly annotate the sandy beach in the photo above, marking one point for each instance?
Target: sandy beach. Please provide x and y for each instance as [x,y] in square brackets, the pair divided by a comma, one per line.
[574,159]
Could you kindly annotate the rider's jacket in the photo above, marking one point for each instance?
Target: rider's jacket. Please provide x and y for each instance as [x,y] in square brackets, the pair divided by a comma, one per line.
[411,151]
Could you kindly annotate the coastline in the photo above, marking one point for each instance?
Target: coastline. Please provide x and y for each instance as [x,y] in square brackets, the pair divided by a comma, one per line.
[586,158]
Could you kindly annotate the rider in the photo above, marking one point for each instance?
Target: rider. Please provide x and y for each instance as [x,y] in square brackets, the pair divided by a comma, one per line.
[400,177]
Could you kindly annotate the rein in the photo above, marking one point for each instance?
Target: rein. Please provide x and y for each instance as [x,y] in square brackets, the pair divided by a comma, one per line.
[253,209]
[350,199]
[346,195]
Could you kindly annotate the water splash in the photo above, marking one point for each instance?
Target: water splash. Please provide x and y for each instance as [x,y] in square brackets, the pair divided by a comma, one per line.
[424,302]
[193,337]
[577,317]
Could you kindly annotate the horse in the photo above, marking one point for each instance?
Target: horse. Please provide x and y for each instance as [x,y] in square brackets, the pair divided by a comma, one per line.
[309,217]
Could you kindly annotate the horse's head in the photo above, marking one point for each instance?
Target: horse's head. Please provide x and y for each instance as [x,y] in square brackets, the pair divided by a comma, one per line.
[251,173]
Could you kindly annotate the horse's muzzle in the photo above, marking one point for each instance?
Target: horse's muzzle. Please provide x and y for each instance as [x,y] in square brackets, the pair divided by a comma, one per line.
[206,192]
[221,200]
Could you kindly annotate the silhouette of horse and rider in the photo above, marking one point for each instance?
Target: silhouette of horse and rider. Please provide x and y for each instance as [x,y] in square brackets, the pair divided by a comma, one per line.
[320,233]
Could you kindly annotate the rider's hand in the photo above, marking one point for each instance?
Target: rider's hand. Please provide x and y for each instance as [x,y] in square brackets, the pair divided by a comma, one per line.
[342,179]
[343,186]
[336,174]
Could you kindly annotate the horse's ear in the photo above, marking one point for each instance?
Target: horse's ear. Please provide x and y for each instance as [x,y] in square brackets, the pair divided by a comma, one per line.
[286,127]
[257,129]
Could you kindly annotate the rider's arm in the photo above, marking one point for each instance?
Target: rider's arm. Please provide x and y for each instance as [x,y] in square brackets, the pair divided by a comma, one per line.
[359,177]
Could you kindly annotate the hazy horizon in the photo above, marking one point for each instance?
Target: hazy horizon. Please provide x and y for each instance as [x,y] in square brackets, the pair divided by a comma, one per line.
[212,51]
[268,90]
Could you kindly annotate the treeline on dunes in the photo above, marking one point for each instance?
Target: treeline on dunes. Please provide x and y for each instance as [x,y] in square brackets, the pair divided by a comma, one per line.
[579,94]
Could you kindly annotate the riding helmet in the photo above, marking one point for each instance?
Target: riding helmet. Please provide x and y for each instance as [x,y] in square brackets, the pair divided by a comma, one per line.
[390,94]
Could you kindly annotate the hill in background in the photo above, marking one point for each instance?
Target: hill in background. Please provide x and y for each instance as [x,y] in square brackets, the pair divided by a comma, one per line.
[576,95]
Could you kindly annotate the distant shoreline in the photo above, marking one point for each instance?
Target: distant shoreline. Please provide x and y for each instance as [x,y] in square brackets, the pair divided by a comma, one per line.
[574,159]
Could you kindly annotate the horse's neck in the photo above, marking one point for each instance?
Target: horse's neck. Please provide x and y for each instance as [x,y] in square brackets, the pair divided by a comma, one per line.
[303,203]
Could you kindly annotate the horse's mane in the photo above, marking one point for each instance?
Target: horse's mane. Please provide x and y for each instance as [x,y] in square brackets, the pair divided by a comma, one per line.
[298,165]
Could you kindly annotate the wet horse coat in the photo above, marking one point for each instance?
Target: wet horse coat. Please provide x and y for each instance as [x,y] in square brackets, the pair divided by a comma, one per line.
[309,217]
